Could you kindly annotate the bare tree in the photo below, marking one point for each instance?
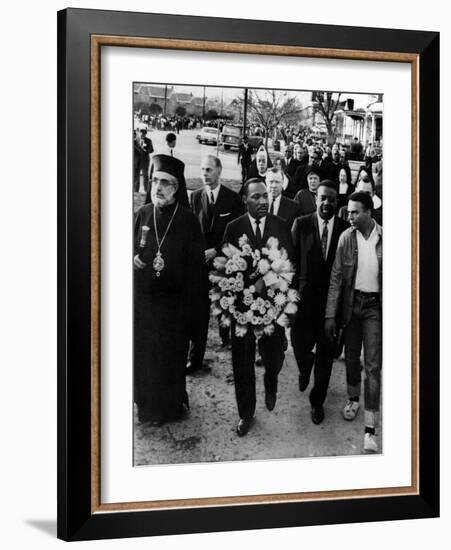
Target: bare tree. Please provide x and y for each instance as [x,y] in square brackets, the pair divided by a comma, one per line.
[326,103]
[270,108]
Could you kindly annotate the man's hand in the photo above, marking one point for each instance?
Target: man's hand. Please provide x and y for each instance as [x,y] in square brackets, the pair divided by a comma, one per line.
[330,328]
[210,254]
[138,263]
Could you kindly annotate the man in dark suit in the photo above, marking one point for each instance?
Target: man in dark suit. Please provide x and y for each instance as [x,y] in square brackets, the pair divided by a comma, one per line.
[258,225]
[315,239]
[143,148]
[279,205]
[300,176]
[245,152]
[306,198]
[291,163]
[182,194]
[215,206]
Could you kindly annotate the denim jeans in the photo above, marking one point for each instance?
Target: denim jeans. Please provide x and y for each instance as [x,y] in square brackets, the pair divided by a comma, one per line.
[365,327]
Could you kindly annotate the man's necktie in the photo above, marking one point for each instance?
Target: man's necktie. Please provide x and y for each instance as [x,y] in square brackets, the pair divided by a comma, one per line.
[324,239]
[172,152]
[212,199]
[258,234]
[271,208]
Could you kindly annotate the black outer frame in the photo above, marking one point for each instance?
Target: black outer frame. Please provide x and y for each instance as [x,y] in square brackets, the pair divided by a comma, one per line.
[75,520]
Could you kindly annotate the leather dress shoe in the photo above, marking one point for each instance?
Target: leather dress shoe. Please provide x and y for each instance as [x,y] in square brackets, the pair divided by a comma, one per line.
[270,400]
[317,414]
[244,426]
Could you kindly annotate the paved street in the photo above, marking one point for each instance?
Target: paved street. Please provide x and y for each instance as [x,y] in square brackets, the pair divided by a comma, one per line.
[191,153]
[208,433]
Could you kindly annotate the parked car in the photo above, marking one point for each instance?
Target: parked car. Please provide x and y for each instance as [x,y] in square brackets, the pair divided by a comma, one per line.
[208,135]
[230,136]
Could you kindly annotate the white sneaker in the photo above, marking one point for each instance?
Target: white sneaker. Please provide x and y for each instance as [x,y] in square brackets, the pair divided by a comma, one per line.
[350,409]
[370,443]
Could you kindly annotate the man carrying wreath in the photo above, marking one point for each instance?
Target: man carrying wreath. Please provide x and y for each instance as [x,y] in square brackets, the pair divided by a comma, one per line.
[258,226]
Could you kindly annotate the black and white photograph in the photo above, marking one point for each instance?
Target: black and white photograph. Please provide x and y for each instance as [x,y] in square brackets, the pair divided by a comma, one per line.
[257,261]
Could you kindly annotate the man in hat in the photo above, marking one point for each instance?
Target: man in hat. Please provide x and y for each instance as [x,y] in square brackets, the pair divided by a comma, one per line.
[306,198]
[258,226]
[143,148]
[170,281]
[182,194]
[215,206]
[245,152]
[315,239]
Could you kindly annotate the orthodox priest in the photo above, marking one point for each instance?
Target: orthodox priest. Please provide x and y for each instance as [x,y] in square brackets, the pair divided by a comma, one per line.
[170,279]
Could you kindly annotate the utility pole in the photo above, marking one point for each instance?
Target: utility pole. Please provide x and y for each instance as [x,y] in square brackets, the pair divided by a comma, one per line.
[245,112]
[203,107]
[165,96]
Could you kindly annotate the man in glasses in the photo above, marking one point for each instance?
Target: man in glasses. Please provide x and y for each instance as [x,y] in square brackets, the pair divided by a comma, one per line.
[170,280]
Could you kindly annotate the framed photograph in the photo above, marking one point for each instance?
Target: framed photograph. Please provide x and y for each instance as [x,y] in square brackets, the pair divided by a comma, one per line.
[227,359]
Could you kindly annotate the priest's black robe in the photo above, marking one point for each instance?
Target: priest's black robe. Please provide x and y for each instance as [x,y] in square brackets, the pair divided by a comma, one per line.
[165,311]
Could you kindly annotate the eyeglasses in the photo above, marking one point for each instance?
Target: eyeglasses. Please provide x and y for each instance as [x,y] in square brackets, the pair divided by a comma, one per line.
[163,182]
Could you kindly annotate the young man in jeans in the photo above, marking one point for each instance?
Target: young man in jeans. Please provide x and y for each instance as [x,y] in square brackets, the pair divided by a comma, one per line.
[356,284]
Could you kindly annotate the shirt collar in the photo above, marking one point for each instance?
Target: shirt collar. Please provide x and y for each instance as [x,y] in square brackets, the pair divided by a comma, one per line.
[215,191]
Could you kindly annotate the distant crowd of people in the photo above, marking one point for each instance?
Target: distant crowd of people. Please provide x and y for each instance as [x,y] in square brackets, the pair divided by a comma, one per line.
[331,228]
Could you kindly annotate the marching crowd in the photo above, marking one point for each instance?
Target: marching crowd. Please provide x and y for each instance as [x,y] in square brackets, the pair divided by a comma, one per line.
[331,230]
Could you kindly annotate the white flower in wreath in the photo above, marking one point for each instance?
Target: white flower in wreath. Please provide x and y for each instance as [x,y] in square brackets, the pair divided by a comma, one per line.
[271,293]
[247,250]
[293,295]
[239,285]
[249,314]
[254,306]
[243,240]
[224,303]
[263,266]
[283,320]
[242,319]
[266,319]
[231,300]
[273,242]
[241,264]
[268,330]
[252,289]
[279,299]
[219,262]
[225,321]
[271,313]
[283,285]
[290,308]
[240,330]
[247,300]
[270,278]
[254,320]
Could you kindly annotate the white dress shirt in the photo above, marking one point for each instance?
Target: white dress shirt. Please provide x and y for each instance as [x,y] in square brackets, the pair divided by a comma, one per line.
[330,228]
[215,192]
[254,225]
[275,206]
[366,279]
